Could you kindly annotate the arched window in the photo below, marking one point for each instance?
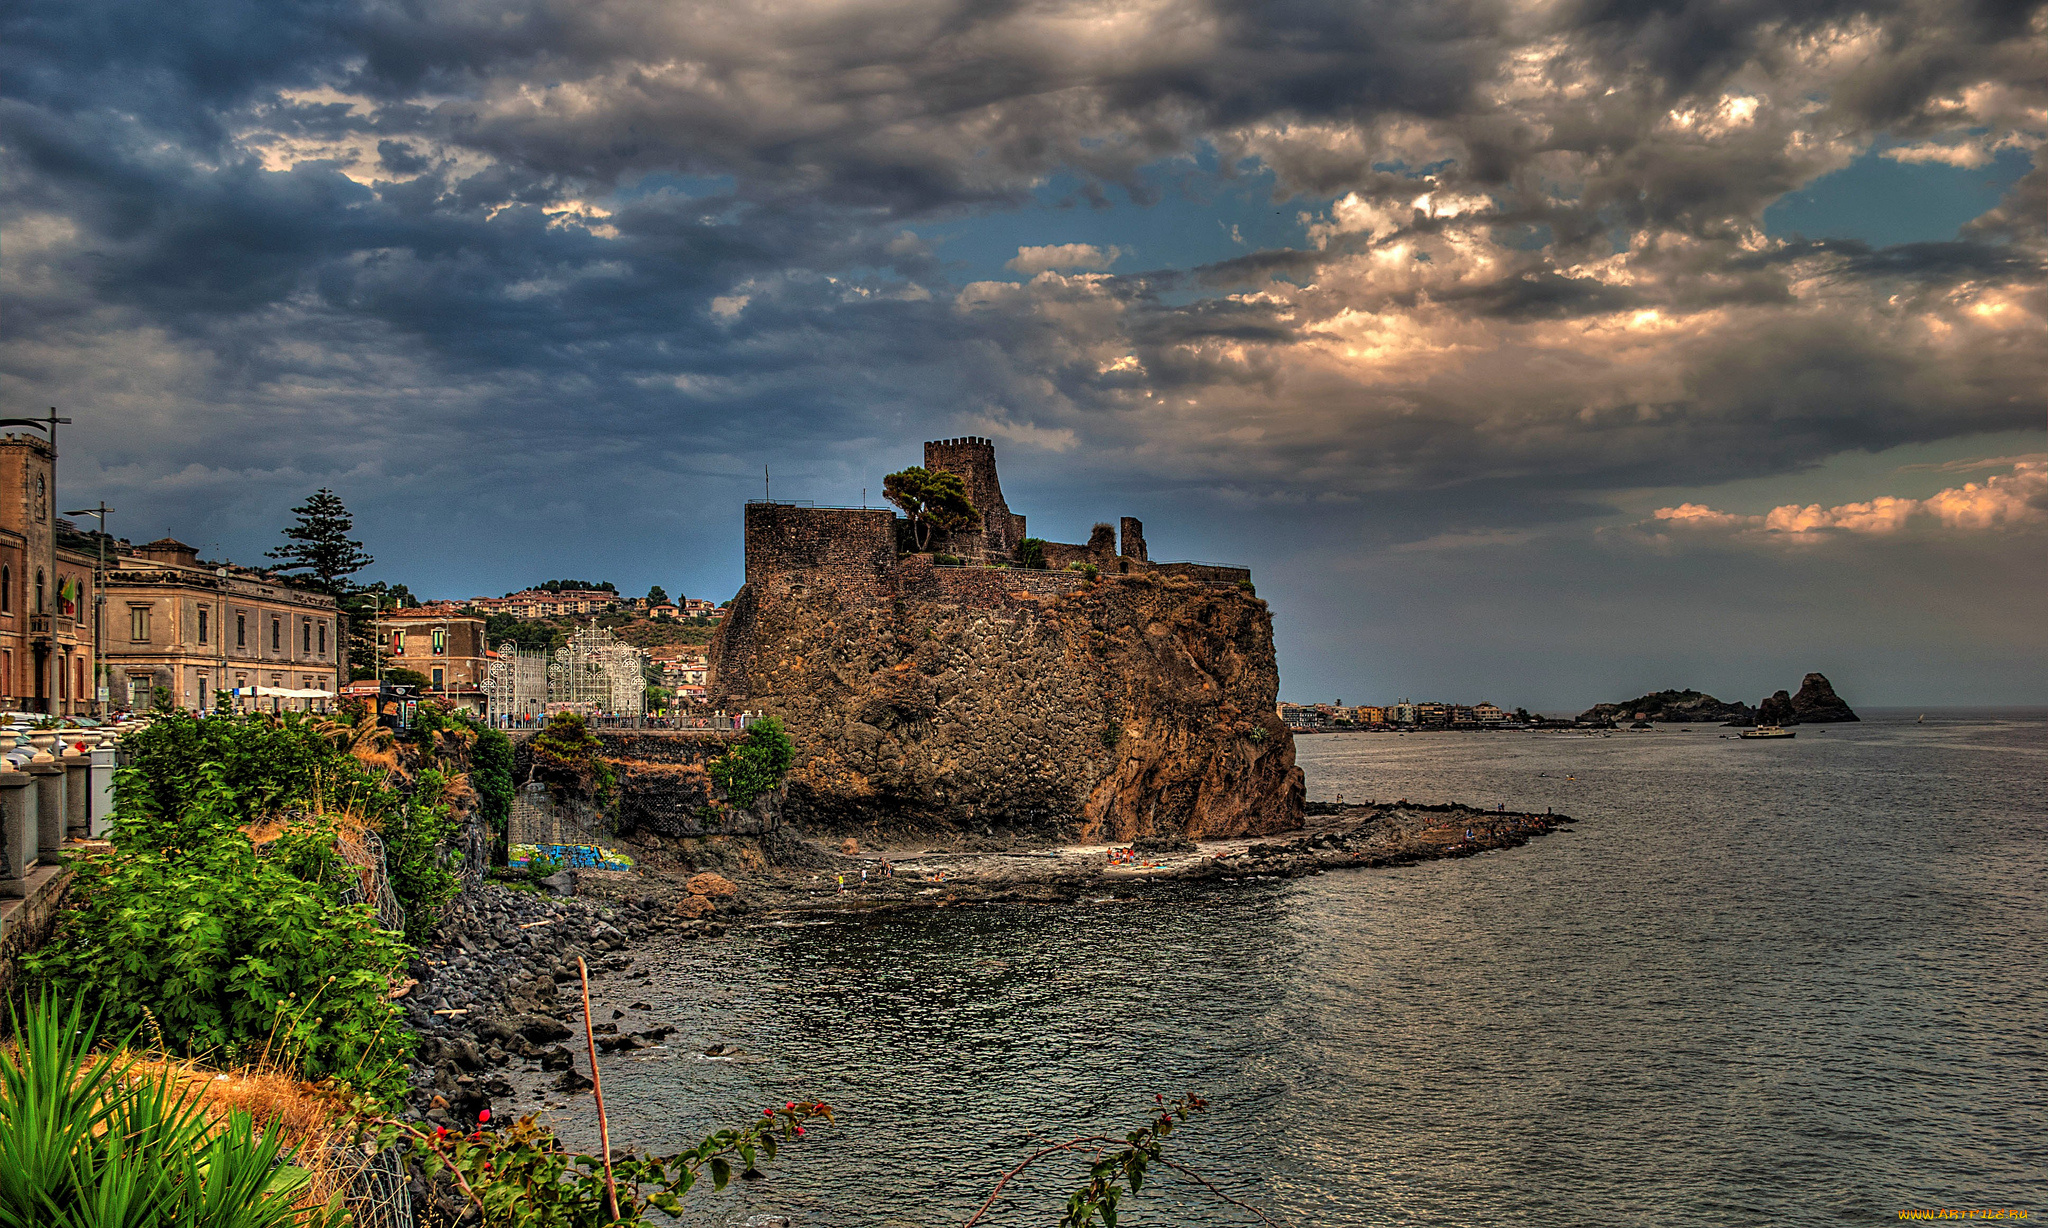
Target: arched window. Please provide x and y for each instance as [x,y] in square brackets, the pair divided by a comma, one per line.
[6,590]
[39,590]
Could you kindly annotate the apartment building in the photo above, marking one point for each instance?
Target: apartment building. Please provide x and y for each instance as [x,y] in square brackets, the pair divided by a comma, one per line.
[442,645]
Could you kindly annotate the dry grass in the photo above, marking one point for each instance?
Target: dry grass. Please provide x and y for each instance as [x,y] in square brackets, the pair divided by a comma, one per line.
[313,1119]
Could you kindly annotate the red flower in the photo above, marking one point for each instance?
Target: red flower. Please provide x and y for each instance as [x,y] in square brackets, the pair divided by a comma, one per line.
[799,1129]
[767,1112]
[792,1106]
[484,1117]
[440,1132]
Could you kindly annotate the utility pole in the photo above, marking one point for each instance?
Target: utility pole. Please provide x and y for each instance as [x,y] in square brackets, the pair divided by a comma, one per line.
[100,689]
[764,485]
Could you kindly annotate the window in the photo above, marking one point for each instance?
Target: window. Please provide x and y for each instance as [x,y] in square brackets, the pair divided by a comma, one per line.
[138,624]
[241,630]
[78,673]
[203,612]
[63,679]
[440,641]
[6,590]
[306,635]
[276,634]
[39,590]
[437,677]
[323,639]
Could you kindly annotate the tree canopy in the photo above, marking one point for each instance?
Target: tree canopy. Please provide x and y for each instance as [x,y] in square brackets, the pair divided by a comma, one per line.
[657,595]
[319,545]
[932,499]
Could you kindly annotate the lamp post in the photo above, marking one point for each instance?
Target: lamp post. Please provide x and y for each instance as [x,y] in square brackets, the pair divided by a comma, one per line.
[100,690]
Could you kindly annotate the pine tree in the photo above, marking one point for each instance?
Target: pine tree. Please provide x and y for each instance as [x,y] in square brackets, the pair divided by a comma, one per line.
[319,544]
[657,595]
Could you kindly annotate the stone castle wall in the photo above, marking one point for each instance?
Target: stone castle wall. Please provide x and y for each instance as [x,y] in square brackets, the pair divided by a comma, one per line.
[781,537]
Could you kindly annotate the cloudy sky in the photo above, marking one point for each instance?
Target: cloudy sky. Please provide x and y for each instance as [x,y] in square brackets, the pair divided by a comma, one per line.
[1540,352]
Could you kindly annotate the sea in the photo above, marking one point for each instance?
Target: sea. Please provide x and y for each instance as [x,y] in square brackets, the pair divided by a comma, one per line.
[1758,982]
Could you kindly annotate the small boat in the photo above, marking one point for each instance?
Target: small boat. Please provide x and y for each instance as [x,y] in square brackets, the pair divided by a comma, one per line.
[1922,720]
[1769,731]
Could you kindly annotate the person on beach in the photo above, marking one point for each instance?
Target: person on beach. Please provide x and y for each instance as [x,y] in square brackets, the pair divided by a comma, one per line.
[842,884]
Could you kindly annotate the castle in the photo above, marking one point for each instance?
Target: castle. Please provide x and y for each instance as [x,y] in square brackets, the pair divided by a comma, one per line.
[994,679]
[782,538]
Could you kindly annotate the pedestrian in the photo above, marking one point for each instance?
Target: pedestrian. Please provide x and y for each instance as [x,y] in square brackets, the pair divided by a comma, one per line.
[842,884]
[863,876]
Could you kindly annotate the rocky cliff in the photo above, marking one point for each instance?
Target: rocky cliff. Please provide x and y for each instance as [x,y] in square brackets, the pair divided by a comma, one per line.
[977,698]
[1674,707]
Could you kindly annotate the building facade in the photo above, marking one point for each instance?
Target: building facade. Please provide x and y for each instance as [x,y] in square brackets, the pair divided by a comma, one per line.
[443,646]
[176,632]
[47,660]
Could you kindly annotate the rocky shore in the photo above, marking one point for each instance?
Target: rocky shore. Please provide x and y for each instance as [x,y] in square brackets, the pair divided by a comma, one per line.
[497,1001]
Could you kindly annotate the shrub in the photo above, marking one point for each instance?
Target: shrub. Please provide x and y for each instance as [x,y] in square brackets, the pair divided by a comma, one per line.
[1088,570]
[1245,586]
[1031,553]
[757,765]
[490,774]
[234,953]
[946,560]
[570,759]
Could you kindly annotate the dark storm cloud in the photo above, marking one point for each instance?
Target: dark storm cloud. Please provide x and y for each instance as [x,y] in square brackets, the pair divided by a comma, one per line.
[408,232]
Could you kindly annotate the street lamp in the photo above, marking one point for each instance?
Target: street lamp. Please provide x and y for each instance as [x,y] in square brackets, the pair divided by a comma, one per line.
[100,690]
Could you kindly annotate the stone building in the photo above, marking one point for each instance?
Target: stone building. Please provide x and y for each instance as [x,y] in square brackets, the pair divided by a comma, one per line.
[193,629]
[444,646]
[46,590]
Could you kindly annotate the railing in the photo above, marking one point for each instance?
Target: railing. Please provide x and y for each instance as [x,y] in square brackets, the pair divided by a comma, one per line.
[713,723]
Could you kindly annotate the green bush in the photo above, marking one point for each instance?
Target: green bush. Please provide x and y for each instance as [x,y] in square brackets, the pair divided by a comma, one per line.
[1245,586]
[490,774]
[237,951]
[1031,553]
[757,765]
[234,954]
[569,758]
[88,1142]
[1088,570]
[946,560]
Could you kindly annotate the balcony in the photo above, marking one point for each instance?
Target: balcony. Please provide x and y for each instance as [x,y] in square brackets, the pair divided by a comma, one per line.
[43,628]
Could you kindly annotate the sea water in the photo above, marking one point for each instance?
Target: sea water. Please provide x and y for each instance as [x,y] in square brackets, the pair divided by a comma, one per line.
[1763,982]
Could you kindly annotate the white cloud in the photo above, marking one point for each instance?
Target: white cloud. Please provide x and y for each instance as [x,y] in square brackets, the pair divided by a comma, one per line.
[1063,256]
[2002,501]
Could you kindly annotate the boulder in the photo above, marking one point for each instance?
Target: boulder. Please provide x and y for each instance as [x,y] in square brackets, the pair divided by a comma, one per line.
[557,1058]
[711,884]
[541,1029]
[573,1080]
[562,883]
[694,907]
[1817,704]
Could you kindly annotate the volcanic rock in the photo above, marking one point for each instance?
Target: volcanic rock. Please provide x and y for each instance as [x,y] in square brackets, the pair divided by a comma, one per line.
[1777,710]
[1671,707]
[710,884]
[971,698]
[1817,704]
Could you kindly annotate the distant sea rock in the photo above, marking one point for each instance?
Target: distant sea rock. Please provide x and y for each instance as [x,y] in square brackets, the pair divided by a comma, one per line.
[1816,704]
[1673,707]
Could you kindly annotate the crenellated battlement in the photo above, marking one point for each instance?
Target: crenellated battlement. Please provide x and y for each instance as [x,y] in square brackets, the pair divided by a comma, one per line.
[858,547]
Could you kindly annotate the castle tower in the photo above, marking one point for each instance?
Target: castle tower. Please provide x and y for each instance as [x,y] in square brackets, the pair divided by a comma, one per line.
[973,460]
